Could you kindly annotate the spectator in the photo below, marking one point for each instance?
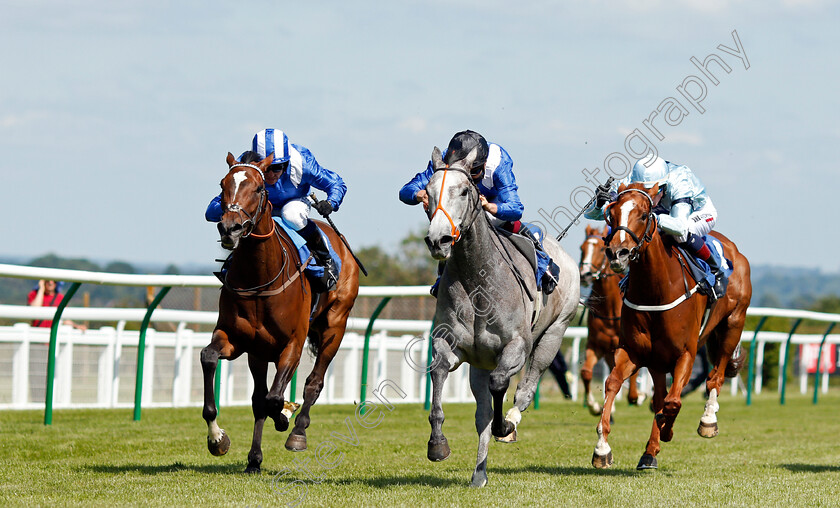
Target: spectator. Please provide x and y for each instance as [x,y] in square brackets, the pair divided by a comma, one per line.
[47,295]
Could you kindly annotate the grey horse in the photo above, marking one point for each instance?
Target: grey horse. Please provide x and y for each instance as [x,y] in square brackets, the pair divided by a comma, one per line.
[485,314]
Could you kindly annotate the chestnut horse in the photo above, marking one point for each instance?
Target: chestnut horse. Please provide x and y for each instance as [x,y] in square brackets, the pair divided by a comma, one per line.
[661,320]
[265,308]
[604,309]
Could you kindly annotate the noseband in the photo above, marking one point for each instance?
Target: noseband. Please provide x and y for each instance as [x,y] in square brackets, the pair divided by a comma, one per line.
[456,232]
[650,225]
[249,223]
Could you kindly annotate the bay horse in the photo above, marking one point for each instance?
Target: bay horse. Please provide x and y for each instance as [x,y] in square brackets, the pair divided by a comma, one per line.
[485,312]
[604,313]
[264,310]
[662,320]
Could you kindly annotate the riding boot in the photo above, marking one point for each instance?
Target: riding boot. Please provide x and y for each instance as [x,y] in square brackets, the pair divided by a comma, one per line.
[318,247]
[549,279]
[697,246]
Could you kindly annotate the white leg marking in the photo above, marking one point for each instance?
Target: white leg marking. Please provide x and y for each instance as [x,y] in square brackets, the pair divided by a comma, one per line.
[514,416]
[602,448]
[214,432]
[625,215]
[590,401]
[712,407]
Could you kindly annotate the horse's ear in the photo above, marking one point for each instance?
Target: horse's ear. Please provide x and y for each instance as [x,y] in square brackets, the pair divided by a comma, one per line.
[437,159]
[231,160]
[622,188]
[470,158]
[655,195]
[588,230]
[265,163]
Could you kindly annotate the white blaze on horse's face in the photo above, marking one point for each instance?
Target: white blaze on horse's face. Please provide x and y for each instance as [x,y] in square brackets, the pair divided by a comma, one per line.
[624,218]
[238,178]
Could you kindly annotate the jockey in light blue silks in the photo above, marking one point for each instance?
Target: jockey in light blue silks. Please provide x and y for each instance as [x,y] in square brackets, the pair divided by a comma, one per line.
[685,211]
[288,181]
[492,172]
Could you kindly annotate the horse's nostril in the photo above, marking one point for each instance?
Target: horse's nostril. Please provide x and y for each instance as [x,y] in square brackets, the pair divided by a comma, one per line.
[428,242]
[236,227]
[445,239]
[609,254]
[623,253]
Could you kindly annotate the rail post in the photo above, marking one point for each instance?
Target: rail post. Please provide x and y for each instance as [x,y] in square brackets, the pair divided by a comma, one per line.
[819,361]
[141,351]
[787,356]
[48,405]
[366,350]
[753,355]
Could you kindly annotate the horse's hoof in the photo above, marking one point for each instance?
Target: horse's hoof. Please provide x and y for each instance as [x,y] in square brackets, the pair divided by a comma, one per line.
[633,401]
[595,410]
[439,451]
[479,480]
[253,468]
[220,448]
[504,429]
[602,461]
[281,423]
[296,443]
[708,430]
[510,438]
[647,462]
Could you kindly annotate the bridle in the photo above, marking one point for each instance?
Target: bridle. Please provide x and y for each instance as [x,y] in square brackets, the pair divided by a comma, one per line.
[456,231]
[599,273]
[650,225]
[249,223]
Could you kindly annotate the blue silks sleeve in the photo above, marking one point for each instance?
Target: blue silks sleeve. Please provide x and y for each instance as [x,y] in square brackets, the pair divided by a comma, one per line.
[214,210]
[322,179]
[408,193]
[507,199]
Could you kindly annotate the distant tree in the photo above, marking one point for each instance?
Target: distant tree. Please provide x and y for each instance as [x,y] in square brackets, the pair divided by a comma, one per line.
[119,267]
[171,270]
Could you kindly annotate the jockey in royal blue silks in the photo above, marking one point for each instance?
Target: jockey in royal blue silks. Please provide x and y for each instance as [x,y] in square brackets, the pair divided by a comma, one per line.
[288,181]
[492,173]
[685,210]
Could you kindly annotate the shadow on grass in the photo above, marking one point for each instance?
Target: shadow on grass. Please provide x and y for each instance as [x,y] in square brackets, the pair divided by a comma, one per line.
[811,468]
[566,471]
[165,468]
[382,482]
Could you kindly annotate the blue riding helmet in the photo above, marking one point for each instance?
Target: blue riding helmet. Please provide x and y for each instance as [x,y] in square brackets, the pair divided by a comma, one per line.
[272,141]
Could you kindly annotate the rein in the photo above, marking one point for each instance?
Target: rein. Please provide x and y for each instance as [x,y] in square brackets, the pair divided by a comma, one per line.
[456,232]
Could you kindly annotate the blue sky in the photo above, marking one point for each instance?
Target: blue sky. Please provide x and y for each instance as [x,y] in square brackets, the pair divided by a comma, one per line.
[115,118]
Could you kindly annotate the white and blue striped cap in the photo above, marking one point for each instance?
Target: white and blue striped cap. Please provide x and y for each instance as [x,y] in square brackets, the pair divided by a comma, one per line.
[271,141]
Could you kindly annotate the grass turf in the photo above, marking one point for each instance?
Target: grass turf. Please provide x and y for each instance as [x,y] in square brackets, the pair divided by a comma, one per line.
[765,455]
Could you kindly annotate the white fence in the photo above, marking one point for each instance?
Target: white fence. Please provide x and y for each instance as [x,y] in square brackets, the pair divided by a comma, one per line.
[97,368]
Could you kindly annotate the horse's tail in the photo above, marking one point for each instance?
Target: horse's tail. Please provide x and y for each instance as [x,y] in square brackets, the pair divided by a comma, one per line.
[314,344]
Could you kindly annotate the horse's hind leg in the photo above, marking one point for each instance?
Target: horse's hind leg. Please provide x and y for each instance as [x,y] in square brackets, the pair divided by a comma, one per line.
[511,361]
[217,441]
[541,357]
[624,366]
[480,386]
[259,370]
[586,376]
[444,359]
[633,392]
[721,345]
[330,341]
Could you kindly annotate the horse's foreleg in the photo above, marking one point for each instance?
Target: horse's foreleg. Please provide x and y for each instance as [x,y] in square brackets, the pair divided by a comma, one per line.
[681,375]
[511,361]
[259,370]
[586,375]
[217,441]
[660,388]
[624,366]
[480,386]
[443,358]
[330,341]
[286,365]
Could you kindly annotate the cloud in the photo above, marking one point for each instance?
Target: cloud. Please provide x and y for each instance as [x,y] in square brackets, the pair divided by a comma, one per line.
[685,138]
[18,120]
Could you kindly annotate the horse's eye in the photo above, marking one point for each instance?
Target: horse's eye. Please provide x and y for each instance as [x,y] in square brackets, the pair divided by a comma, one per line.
[465,192]
[645,217]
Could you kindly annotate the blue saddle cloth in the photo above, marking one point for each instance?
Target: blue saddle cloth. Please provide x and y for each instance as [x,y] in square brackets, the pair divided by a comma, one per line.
[313,269]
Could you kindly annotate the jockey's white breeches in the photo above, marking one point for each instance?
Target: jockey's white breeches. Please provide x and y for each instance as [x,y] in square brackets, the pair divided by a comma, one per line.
[295,213]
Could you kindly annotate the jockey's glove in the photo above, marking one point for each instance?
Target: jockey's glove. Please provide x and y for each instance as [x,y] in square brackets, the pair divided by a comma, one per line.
[602,195]
[324,207]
